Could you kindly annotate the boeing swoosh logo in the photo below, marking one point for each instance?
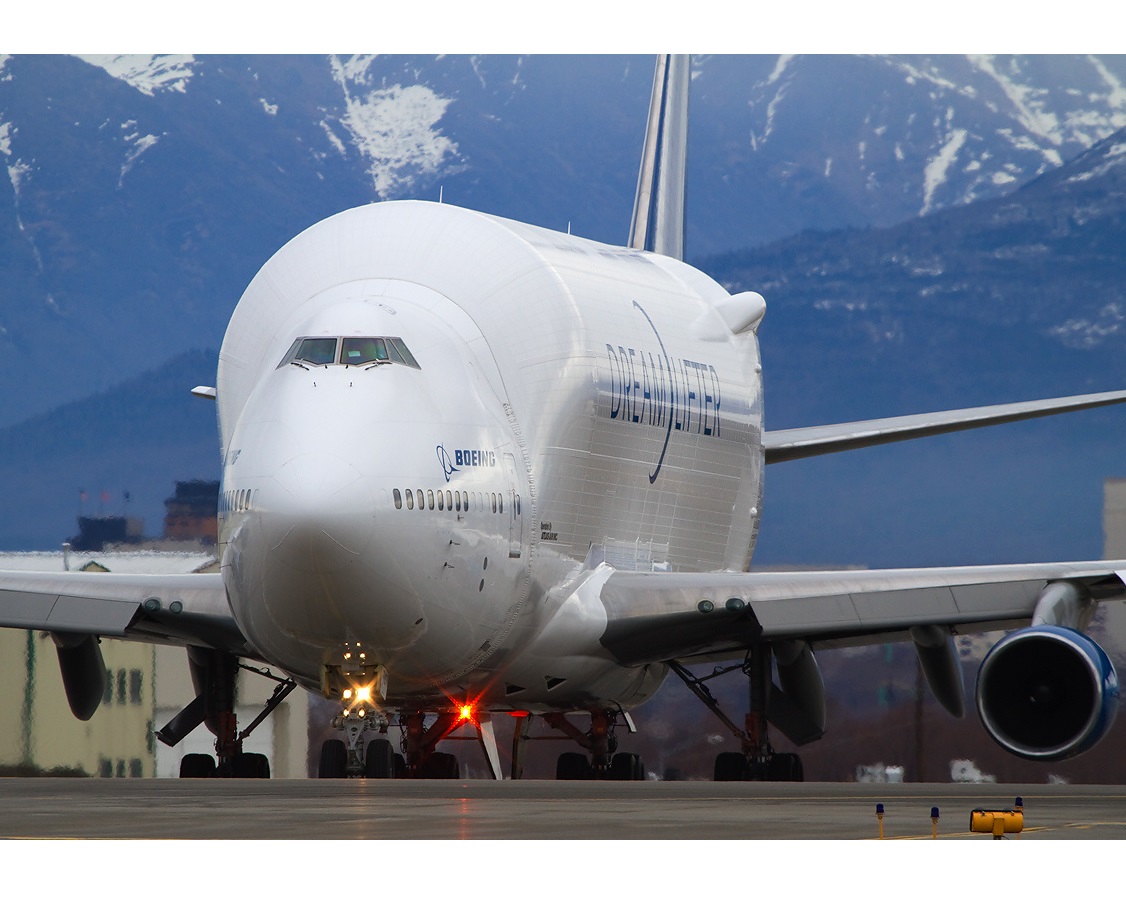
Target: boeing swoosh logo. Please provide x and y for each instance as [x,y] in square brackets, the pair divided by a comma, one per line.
[668,430]
[447,464]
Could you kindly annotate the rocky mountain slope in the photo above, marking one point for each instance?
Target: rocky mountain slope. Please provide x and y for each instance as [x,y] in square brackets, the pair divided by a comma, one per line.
[144,192]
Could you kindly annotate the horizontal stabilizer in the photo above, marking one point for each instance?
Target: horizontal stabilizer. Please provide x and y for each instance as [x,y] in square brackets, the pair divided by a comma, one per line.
[799,443]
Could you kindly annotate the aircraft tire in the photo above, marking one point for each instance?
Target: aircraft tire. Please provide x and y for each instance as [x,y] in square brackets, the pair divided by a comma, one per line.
[334,760]
[572,765]
[441,765]
[252,766]
[197,766]
[626,768]
[785,768]
[379,760]
[731,766]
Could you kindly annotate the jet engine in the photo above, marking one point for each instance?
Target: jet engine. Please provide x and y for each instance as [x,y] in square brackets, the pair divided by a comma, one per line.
[1047,693]
[83,670]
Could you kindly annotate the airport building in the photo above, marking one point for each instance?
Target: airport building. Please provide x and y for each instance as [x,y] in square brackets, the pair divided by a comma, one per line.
[146,685]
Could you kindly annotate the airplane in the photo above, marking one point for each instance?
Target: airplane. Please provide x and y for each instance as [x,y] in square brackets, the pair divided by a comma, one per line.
[472,466]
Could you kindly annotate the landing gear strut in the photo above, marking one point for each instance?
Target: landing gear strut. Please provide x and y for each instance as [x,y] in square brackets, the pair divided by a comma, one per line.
[601,759]
[756,760]
[213,675]
[419,759]
[344,759]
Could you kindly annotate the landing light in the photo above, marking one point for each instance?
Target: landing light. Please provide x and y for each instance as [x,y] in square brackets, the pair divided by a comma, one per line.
[363,694]
[465,712]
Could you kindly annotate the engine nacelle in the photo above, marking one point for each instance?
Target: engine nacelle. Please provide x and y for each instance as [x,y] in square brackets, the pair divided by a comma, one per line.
[83,670]
[1047,693]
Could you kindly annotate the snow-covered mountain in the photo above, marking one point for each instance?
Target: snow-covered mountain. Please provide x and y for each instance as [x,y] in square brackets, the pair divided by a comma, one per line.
[144,192]
[1018,297]
[835,141]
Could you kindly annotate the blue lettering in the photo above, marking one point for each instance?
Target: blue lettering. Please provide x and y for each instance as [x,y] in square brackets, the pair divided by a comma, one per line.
[647,398]
[633,387]
[671,393]
[715,399]
[616,389]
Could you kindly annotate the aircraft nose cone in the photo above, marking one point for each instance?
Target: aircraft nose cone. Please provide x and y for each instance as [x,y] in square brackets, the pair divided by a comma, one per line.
[323,514]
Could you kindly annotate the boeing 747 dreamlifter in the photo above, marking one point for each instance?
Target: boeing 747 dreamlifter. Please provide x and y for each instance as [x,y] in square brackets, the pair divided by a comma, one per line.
[471,466]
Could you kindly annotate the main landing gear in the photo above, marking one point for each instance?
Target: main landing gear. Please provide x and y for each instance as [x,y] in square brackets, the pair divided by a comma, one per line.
[418,757]
[600,757]
[756,760]
[213,675]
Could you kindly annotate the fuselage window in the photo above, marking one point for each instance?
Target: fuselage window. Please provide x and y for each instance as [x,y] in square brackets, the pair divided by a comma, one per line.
[410,499]
[494,503]
[449,501]
[500,501]
[398,499]
[430,498]
[441,502]
[517,496]
[465,500]
[421,502]
[457,501]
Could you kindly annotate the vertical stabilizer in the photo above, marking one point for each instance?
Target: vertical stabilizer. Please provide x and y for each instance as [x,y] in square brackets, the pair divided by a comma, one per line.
[658,208]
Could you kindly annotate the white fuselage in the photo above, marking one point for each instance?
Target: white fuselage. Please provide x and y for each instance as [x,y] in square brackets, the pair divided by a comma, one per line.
[574,405]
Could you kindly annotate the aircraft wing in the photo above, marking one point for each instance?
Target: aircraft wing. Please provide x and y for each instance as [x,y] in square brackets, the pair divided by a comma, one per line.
[798,443]
[653,617]
[180,609]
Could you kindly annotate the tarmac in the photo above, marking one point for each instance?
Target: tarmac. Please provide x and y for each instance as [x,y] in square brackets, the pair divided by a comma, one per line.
[159,809]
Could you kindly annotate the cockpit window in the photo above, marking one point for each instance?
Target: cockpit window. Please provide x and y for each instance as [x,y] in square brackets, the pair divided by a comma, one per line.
[398,346]
[363,351]
[313,351]
[354,350]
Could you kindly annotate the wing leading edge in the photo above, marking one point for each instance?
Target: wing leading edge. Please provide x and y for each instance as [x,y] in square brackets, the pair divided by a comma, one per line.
[654,617]
[799,443]
[186,609]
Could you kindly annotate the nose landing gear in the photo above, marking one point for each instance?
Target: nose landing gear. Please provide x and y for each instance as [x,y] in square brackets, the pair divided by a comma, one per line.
[419,759]
[344,759]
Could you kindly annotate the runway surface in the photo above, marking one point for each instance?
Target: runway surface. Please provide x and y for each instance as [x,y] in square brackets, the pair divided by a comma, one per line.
[532,810]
